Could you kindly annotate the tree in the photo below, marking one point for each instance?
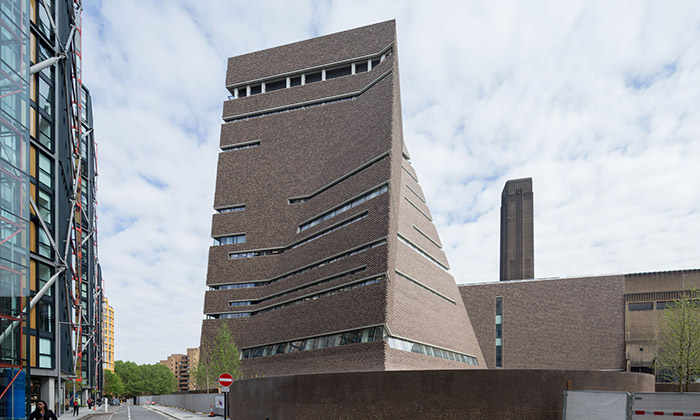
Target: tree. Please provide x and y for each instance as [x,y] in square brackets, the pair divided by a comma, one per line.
[679,340]
[113,384]
[158,379]
[220,355]
[145,379]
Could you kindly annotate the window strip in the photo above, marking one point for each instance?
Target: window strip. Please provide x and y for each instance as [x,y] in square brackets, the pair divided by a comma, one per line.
[305,198]
[417,208]
[239,146]
[427,237]
[363,335]
[304,269]
[415,193]
[306,104]
[423,253]
[344,206]
[431,290]
[297,73]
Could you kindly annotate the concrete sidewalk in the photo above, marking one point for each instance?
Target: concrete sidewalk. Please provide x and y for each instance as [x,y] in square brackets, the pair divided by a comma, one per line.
[178,413]
[85,413]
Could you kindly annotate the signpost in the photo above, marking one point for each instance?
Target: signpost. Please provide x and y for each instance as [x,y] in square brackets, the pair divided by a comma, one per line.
[225,380]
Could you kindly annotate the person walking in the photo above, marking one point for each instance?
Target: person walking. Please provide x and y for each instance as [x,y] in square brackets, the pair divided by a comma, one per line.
[89,402]
[42,412]
[76,406]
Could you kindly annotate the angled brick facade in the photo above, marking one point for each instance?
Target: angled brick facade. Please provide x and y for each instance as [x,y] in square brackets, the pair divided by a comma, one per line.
[326,258]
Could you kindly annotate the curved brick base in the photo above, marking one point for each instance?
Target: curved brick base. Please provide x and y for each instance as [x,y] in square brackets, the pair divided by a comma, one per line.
[435,394]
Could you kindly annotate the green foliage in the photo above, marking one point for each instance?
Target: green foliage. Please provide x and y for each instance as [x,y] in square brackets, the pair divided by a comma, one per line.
[220,355]
[679,344]
[114,387]
[145,379]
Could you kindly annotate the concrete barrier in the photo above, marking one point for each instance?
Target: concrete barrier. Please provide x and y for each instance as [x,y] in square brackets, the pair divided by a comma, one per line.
[199,403]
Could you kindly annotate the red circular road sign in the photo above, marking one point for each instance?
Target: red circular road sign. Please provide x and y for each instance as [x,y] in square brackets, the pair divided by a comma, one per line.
[225,379]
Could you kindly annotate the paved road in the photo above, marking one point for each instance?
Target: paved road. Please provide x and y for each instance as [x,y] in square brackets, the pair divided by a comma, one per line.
[137,412]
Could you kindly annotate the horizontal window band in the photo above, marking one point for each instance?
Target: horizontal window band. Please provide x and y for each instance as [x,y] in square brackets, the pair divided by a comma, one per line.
[314,296]
[430,289]
[309,285]
[305,104]
[399,343]
[229,209]
[229,239]
[239,146]
[425,235]
[357,336]
[329,292]
[310,69]
[345,206]
[280,250]
[302,199]
[422,252]
[304,269]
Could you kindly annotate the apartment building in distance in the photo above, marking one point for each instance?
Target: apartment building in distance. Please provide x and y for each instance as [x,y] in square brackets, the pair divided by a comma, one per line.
[108,335]
[180,365]
[325,255]
[51,282]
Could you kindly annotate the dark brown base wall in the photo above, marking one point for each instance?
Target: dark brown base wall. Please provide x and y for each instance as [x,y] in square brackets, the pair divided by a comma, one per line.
[665,387]
[421,395]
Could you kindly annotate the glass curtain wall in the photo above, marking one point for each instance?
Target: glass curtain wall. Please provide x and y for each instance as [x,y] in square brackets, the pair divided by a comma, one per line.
[14,208]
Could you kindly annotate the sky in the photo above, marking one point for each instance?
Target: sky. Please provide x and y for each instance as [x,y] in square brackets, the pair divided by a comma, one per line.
[597,101]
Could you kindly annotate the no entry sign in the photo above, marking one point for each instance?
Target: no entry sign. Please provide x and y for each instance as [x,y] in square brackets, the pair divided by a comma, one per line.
[225,379]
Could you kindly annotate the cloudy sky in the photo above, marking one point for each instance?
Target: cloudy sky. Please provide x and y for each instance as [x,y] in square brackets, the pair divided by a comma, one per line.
[596,101]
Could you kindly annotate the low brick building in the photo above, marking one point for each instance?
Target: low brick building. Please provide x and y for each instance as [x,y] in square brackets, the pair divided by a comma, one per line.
[598,322]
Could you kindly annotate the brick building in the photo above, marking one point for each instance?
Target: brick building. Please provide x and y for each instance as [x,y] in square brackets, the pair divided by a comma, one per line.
[180,365]
[598,322]
[325,256]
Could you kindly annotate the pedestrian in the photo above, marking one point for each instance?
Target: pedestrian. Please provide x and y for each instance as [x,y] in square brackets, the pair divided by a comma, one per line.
[89,401]
[76,406]
[42,412]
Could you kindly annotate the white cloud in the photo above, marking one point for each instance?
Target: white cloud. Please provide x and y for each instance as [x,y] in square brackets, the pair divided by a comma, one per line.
[596,101]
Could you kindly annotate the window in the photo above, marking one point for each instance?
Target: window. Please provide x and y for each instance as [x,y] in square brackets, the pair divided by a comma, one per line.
[343,207]
[295,81]
[361,67]
[45,353]
[229,240]
[246,145]
[313,77]
[45,129]
[45,95]
[499,331]
[254,90]
[232,209]
[44,275]
[338,72]
[644,306]
[664,305]
[405,345]
[276,85]
[45,315]
[242,92]
[45,170]
[44,23]
[44,244]
[364,335]
[44,203]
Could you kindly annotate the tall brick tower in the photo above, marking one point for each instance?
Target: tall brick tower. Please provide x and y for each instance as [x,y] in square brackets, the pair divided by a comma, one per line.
[517,230]
[325,256]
